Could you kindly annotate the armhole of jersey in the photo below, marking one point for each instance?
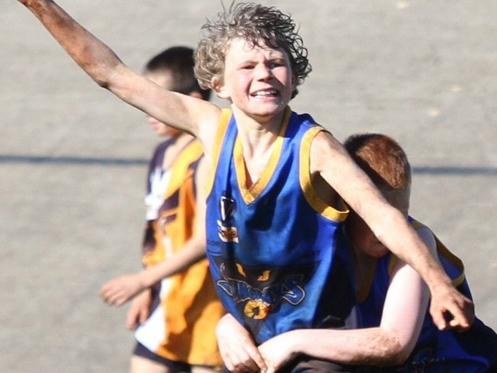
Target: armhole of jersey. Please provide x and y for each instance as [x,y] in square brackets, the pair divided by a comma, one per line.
[447,254]
[442,250]
[391,264]
[221,132]
[305,180]
[190,154]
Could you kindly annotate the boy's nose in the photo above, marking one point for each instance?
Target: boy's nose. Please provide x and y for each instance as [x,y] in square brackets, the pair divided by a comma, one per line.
[262,72]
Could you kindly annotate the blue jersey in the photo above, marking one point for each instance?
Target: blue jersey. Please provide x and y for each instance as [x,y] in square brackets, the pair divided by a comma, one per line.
[471,351]
[276,251]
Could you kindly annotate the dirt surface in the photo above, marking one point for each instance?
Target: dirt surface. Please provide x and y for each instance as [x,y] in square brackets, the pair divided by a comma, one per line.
[72,157]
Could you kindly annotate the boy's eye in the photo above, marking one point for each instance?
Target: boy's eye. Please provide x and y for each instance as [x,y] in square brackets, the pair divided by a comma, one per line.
[247,67]
[276,63]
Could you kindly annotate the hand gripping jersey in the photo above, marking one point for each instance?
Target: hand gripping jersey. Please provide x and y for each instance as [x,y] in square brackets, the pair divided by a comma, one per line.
[185,310]
[275,249]
[471,351]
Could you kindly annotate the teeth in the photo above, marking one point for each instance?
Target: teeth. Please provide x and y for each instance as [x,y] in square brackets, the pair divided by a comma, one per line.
[268,93]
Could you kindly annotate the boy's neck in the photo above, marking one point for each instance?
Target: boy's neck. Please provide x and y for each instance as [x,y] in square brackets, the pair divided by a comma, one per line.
[257,134]
[257,140]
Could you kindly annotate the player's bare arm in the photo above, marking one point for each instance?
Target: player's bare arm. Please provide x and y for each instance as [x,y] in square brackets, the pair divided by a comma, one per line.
[331,162]
[187,113]
[121,289]
[406,302]
[391,343]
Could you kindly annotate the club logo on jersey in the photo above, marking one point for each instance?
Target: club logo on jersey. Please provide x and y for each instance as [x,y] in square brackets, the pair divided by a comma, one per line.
[227,232]
[258,292]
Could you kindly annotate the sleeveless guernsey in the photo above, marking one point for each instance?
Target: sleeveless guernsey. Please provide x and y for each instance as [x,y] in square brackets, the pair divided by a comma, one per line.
[276,251]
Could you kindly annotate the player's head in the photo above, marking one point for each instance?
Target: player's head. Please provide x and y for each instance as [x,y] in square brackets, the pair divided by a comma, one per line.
[242,30]
[386,163]
[173,70]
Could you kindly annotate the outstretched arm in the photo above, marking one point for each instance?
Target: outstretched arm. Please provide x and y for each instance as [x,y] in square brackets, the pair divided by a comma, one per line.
[104,67]
[330,161]
[390,343]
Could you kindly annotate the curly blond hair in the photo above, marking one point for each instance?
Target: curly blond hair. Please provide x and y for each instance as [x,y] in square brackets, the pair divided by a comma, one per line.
[258,25]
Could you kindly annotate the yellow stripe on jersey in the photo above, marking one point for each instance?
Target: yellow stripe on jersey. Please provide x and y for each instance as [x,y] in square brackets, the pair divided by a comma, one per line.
[221,131]
[305,180]
[442,251]
[179,168]
[250,194]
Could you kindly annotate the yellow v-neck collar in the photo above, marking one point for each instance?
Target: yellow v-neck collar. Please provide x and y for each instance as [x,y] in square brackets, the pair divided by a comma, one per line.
[250,194]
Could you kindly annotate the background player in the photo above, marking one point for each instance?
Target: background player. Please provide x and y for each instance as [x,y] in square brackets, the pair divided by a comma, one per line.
[176,317]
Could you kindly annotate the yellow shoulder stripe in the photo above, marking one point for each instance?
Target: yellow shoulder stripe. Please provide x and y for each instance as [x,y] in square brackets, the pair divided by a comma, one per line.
[305,180]
[221,132]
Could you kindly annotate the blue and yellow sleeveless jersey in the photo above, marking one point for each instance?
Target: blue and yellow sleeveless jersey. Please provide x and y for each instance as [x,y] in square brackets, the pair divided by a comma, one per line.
[275,250]
[475,350]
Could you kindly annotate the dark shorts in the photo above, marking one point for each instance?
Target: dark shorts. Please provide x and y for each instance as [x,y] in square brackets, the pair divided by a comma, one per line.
[305,364]
[175,366]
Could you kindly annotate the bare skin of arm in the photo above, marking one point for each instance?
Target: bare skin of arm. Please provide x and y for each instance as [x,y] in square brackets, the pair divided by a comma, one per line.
[390,343]
[331,164]
[237,348]
[190,114]
[121,289]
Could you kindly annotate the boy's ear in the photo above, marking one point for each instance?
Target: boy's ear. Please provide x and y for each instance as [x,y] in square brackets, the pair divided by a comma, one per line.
[219,88]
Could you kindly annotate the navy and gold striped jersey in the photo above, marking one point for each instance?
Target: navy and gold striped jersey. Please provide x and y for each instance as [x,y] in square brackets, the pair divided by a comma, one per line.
[185,311]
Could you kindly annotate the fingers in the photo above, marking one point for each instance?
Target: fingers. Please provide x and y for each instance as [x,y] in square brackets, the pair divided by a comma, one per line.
[113,294]
[438,318]
[257,358]
[243,360]
[139,311]
[457,313]
[131,319]
[463,315]
[143,314]
[246,366]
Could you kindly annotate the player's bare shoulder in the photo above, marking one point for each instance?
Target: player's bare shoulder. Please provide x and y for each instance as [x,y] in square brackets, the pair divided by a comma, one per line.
[325,150]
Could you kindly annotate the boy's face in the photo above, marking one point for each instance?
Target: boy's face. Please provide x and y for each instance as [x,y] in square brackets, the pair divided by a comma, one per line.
[164,79]
[362,237]
[257,80]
